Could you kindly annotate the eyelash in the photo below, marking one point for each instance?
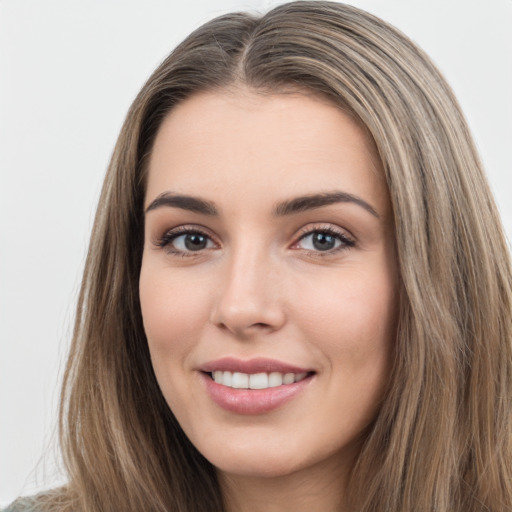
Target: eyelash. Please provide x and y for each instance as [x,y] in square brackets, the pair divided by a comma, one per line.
[165,242]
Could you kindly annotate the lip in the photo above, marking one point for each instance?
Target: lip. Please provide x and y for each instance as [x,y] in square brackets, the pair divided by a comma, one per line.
[257,365]
[252,401]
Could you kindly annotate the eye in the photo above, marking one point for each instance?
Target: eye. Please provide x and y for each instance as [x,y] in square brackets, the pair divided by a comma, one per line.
[183,241]
[327,240]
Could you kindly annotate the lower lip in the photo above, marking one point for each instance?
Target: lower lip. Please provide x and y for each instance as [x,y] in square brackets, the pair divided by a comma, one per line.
[253,401]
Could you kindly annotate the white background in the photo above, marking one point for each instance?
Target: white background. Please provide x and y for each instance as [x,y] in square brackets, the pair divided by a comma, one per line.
[69,70]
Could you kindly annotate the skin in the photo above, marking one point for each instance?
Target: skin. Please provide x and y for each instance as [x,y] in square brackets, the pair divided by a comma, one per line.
[261,288]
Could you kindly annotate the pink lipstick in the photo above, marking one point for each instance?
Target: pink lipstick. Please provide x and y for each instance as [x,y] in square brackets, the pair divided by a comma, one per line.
[255,386]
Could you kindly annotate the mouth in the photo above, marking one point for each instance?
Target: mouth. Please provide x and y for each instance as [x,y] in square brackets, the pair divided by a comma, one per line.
[256,386]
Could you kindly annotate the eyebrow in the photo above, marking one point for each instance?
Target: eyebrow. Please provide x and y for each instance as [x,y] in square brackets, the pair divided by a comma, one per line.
[190,203]
[304,203]
[283,208]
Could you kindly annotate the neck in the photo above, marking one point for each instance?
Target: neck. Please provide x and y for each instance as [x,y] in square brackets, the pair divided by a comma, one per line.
[319,488]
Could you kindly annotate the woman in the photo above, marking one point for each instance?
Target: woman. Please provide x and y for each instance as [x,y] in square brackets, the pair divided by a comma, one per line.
[297,293]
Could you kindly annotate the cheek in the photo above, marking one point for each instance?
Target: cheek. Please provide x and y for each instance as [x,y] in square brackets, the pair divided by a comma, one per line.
[354,300]
[352,320]
[174,309]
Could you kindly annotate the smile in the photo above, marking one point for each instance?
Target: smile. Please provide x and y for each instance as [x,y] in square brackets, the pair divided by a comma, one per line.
[255,386]
[238,380]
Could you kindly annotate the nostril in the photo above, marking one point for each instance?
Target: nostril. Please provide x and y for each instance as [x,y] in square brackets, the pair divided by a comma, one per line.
[245,319]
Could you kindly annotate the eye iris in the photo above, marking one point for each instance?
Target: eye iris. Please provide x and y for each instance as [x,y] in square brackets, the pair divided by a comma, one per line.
[195,242]
[324,241]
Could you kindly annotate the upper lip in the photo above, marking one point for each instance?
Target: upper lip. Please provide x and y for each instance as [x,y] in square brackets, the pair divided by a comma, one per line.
[257,365]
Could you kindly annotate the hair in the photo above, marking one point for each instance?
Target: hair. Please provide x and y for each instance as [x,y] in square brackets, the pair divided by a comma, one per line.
[442,438]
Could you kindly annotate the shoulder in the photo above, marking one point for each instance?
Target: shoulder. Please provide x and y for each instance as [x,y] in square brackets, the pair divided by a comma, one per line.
[22,505]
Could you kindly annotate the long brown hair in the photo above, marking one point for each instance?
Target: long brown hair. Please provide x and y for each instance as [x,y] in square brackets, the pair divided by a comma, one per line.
[442,440]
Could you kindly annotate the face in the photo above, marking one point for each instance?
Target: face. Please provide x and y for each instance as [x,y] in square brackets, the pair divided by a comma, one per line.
[268,280]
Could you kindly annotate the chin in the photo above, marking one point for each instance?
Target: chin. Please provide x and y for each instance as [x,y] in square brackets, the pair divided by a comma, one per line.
[264,467]
[249,459]
[266,460]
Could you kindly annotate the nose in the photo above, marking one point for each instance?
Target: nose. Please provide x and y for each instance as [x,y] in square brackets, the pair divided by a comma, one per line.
[249,300]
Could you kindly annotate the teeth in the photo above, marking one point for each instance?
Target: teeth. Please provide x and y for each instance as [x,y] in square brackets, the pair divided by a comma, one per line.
[288,378]
[239,380]
[258,381]
[275,379]
[227,378]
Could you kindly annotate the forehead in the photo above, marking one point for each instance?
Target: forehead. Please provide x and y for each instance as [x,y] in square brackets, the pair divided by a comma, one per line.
[271,146]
